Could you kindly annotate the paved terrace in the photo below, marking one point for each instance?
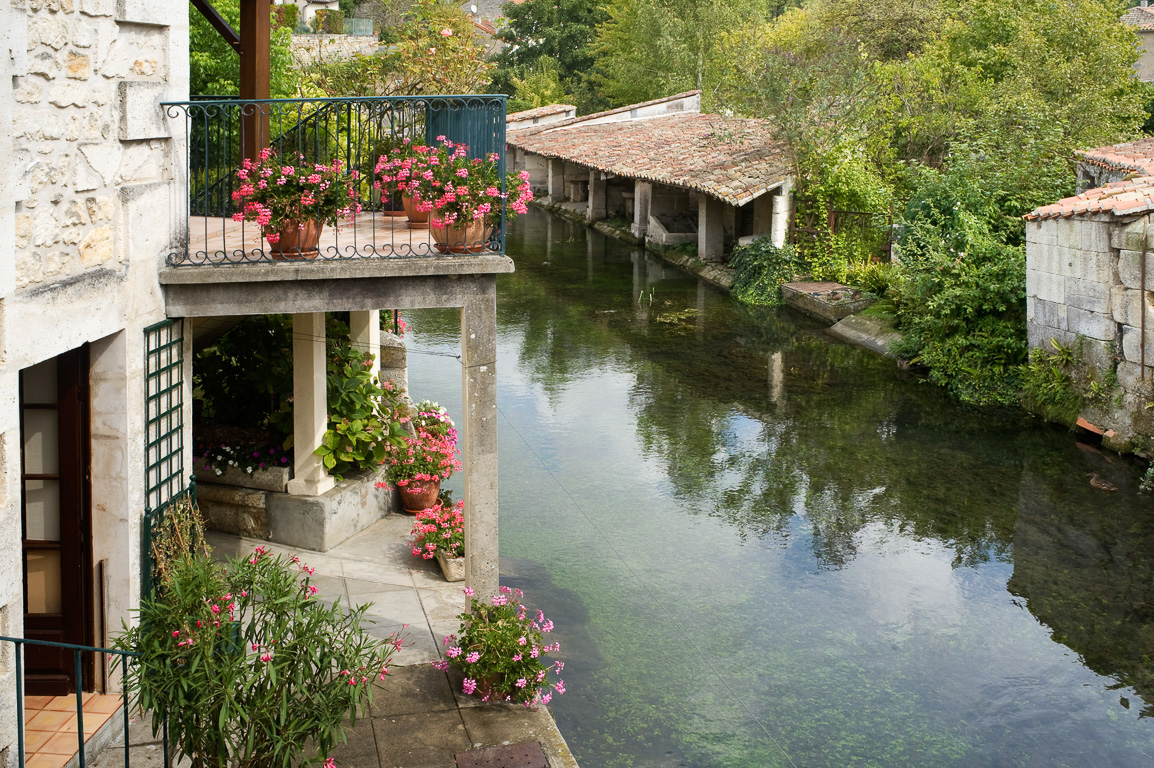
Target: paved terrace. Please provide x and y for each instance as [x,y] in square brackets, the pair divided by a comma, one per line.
[419,718]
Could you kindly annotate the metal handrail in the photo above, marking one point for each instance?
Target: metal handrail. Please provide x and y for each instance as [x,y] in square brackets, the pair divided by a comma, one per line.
[19,642]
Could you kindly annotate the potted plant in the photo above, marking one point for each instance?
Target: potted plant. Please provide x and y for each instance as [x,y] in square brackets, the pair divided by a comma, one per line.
[247,668]
[439,533]
[399,171]
[419,461]
[292,203]
[501,651]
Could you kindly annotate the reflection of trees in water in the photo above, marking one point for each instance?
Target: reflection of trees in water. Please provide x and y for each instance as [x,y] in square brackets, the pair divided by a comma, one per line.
[1084,562]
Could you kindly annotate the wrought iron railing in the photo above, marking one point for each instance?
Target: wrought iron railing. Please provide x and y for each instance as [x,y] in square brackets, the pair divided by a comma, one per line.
[77,650]
[356,131]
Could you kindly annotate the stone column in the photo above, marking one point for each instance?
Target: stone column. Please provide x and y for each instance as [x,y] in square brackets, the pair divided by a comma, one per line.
[642,195]
[556,180]
[478,439]
[710,227]
[365,335]
[310,405]
[782,209]
[596,207]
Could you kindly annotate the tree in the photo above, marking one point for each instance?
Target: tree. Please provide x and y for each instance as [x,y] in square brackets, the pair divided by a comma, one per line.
[214,67]
[559,31]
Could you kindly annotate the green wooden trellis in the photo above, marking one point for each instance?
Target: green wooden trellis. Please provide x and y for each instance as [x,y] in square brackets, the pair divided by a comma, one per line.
[164,471]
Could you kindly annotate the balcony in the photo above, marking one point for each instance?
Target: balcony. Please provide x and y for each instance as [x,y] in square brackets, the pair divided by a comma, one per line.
[218,134]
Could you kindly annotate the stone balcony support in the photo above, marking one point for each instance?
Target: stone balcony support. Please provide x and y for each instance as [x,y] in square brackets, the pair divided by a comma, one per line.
[597,187]
[310,405]
[642,197]
[365,335]
[782,205]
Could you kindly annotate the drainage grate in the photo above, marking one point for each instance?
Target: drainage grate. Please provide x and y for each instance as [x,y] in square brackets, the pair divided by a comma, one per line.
[526,755]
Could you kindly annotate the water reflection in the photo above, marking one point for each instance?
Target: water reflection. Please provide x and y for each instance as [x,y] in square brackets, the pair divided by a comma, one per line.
[765,543]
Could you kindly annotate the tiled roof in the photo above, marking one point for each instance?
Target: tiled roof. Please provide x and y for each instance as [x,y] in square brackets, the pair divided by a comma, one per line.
[732,159]
[1136,156]
[607,113]
[1142,18]
[545,111]
[1119,198]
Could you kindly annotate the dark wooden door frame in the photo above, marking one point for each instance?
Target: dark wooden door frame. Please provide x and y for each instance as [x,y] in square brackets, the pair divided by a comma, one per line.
[53,671]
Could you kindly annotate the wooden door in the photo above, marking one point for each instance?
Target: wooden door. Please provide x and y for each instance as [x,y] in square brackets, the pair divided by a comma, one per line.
[57,553]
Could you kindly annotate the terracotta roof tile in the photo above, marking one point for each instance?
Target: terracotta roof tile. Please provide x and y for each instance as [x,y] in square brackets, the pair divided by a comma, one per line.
[606,113]
[1120,198]
[732,159]
[529,114]
[1136,156]
[1142,18]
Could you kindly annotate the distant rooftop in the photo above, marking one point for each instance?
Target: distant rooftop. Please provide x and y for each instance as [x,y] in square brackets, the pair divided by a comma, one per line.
[539,112]
[691,101]
[1140,17]
[732,159]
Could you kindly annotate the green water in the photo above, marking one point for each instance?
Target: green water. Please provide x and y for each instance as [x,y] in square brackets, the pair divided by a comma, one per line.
[763,547]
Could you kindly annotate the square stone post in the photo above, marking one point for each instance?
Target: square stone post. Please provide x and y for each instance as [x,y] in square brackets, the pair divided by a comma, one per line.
[597,188]
[365,335]
[310,405]
[478,440]
[710,227]
[556,180]
[782,210]
[642,195]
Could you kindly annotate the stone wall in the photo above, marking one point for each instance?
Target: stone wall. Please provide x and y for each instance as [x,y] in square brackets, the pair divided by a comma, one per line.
[88,203]
[313,49]
[1084,291]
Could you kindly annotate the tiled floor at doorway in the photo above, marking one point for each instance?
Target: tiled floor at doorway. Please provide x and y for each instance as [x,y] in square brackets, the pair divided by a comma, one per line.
[50,726]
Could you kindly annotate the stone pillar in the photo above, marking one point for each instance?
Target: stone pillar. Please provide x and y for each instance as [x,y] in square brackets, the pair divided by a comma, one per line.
[478,439]
[782,210]
[310,405]
[763,215]
[597,188]
[365,335]
[642,195]
[394,361]
[710,227]
[556,180]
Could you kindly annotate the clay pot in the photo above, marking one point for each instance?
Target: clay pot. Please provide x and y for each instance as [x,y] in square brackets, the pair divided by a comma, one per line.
[419,495]
[297,240]
[417,219]
[459,238]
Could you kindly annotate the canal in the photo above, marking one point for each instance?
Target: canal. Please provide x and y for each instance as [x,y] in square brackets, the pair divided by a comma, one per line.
[763,547]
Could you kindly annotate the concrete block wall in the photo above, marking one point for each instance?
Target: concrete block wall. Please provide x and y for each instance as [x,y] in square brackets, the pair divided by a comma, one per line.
[1084,290]
[88,198]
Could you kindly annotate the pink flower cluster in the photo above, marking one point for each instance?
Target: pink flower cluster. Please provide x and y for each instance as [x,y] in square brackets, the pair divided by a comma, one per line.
[439,530]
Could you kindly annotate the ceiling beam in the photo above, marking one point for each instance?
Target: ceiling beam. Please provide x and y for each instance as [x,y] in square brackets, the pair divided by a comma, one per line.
[218,23]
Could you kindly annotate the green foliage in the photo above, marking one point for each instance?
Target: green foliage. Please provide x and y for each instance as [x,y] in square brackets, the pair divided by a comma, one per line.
[872,276]
[247,667]
[537,87]
[361,414]
[178,536]
[1047,388]
[546,37]
[214,67]
[759,270]
[244,379]
[287,16]
[329,21]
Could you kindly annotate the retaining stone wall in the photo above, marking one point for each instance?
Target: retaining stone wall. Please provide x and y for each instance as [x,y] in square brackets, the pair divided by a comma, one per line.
[312,49]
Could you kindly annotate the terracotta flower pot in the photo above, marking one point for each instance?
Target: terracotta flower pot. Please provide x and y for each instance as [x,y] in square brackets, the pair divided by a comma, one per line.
[460,238]
[419,495]
[417,219]
[296,240]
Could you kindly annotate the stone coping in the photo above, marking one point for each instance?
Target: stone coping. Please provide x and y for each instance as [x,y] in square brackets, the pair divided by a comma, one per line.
[415,266]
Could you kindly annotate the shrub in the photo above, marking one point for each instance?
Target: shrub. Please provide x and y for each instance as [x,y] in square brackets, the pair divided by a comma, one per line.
[872,276]
[247,667]
[500,650]
[759,270]
[1047,389]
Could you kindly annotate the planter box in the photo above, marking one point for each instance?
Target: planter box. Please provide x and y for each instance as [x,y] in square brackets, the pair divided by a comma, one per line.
[321,522]
[827,301]
[269,479]
[452,567]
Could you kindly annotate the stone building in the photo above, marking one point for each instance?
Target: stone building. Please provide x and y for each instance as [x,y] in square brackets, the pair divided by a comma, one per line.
[108,270]
[679,176]
[1141,19]
[1088,288]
